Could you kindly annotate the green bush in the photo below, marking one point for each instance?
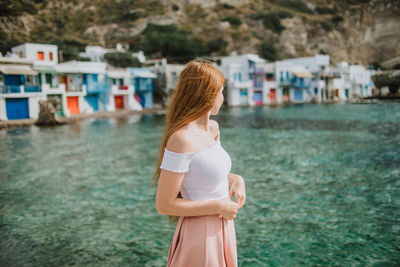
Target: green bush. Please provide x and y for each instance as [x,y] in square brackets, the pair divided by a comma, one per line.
[131,16]
[325,10]
[122,59]
[227,6]
[283,14]
[217,45]
[297,5]
[336,19]
[273,22]
[326,26]
[175,7]
[267,50]
[234,21]
[171,42]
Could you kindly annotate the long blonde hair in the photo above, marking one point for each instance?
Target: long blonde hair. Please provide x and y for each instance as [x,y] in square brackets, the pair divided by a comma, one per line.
[195,94]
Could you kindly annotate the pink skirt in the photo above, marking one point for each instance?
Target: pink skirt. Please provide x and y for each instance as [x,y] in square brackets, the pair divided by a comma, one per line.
[203,241]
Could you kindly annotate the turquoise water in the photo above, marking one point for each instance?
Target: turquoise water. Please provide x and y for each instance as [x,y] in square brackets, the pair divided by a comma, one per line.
[323,189]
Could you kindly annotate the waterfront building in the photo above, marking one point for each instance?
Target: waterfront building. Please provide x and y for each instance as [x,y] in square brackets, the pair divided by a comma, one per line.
[86,86]
[320,82]
[245,77]
[20,91]
[122,91]
[143,81]
[45,60]
[287,82]
[350,81]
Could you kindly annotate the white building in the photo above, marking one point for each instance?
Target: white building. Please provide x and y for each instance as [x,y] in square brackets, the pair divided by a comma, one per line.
[122,91]
[96,53]
[20,92]
[45,60]
[317,66]
[245,77]
[350,81]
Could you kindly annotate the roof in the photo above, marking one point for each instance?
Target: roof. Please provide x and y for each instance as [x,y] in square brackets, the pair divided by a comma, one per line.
[303,74]
[119,73]
[142,73]
[82,67]
[17,70]
[46,69]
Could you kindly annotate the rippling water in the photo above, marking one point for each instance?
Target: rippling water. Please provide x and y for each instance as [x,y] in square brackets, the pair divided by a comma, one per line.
[322,181]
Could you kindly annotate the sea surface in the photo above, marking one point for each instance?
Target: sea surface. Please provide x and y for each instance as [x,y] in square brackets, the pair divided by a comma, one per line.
[322,184]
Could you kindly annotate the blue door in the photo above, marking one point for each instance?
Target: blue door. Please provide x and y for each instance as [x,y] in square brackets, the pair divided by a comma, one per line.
[298,94]
[93,101]
[142,100]
[17,108]
[257,97]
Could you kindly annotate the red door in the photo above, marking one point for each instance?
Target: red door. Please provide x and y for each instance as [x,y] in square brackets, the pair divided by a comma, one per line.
[119,102]
[272,95]
[65,81]
[73,104]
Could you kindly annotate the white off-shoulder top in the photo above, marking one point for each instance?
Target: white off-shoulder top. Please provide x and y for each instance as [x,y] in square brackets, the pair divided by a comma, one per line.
[206,171]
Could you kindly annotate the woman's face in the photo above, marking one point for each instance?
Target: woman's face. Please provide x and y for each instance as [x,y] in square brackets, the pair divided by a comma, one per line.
[218,102]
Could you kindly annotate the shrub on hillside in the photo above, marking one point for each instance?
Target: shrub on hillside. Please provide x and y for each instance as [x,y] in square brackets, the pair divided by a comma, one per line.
[336,19]
[297,5]
[326,26]
[325,10]
[267,50]
[171,42]
[234,21]
[122,59]
[272,21]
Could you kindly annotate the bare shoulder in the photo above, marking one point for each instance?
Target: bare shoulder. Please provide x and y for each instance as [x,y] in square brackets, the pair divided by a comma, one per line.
[214,126]
[179,142]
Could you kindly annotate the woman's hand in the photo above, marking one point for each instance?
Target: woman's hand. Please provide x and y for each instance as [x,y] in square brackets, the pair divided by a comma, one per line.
[239,190]
[228,208]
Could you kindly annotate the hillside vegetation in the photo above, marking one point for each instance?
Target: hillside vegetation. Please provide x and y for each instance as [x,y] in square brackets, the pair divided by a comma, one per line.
[358,31]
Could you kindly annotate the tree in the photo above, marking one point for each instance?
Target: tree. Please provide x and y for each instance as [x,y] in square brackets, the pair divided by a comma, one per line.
[122,60]
[267,51]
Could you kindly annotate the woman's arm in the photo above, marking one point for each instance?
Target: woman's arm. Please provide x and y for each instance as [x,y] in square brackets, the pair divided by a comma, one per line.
[238,188]
[167,202]
[233,177]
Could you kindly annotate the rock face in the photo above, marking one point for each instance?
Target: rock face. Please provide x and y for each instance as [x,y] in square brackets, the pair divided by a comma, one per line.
[365,33]
[47,113]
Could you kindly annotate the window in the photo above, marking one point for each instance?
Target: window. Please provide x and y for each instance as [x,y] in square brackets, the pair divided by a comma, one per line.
[94,77]
[21,55]
[234,76]
[40,55]
[240,77]
[315,91]
[51,56]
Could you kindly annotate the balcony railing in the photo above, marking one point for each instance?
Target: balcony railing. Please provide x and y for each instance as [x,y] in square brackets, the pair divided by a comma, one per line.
[258,70]
[301,83]
[97,88]
[32,89]
[73,88]
[10,89]
[17,89]
[122,87]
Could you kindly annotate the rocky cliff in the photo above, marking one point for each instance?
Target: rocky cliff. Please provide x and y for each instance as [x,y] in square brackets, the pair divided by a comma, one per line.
[358,31]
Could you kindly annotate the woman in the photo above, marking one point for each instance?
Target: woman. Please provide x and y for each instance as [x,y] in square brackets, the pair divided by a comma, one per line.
[193,174]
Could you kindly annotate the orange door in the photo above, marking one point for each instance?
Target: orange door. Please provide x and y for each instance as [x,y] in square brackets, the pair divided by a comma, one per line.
[119,102]
[73,104]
